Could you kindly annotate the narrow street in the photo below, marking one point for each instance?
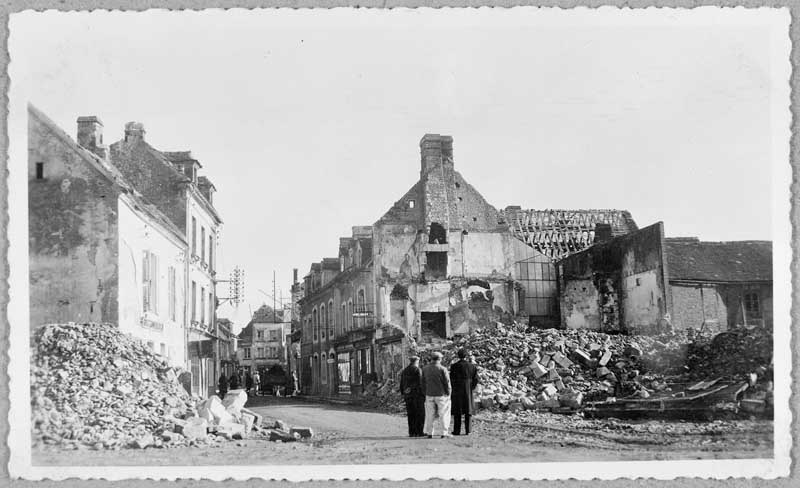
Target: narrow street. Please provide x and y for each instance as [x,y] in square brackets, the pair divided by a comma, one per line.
[346,434]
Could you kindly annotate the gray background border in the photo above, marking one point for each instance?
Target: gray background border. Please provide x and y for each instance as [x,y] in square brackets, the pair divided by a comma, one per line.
[10,6]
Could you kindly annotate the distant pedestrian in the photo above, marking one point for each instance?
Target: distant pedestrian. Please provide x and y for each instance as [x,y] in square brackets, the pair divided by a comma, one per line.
[248,382]
[257,382]
[414,397]
[436,384]
[464,379]
[223,385]
[295,384]
[235,381]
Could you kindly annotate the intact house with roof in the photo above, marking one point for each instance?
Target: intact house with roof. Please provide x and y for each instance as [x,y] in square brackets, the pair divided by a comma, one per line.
[264,347]
[99,250]
[171,181]
[643,282]
[720,284]
[439,263]
[125,235]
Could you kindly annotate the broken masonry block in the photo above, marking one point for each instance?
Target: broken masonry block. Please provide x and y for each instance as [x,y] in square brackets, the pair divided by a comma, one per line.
[549,389]
[515,406]
[562,360]
[605,358]
[280,425]
[582,357]
[538,370]
[193,428]
[257,418]
[248,421]
[559,384]
[602,372]
[553,375]
[303,432]
[236,399]
[230,431]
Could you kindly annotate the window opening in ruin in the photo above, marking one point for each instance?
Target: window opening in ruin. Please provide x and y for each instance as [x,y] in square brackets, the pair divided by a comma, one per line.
[433,324]
[437,234]
[411,204]
[539,287]
[435,265]
[458,185]
[39,171]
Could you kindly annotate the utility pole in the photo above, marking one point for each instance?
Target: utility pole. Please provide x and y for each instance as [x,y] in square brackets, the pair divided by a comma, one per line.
[274,312]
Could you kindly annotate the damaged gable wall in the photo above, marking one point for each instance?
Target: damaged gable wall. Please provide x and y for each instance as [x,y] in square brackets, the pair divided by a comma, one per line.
[72,231]
[617,285]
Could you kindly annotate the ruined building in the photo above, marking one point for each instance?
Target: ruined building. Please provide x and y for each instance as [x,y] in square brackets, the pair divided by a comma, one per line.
[642,282]
[124,235]
[440,262]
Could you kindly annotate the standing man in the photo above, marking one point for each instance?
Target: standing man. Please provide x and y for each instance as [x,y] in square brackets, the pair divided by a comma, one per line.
[411,389]
[436,383]
[257,382]
[464,378]
[234,382]
[223,385]
[295,384]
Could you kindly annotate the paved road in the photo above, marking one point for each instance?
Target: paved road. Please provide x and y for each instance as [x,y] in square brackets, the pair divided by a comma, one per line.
[349,435]
[347,421]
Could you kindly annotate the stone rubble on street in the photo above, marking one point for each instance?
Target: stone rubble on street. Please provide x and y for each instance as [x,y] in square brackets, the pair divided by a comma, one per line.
[94,387]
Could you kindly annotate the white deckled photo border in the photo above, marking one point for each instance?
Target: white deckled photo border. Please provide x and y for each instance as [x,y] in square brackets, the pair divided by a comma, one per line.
[777,20]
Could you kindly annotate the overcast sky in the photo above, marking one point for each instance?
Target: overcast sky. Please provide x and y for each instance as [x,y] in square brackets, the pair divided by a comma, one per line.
[308,122]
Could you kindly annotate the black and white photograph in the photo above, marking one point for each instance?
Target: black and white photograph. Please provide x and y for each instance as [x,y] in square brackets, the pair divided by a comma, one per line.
[419,243]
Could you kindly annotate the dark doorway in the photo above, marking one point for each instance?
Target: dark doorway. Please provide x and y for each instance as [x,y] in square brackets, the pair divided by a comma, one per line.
[435,265]
[437,234]
[434,324]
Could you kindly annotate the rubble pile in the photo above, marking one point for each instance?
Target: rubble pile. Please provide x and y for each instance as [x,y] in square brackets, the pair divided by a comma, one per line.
[734,354]
[94,387]
[385,396]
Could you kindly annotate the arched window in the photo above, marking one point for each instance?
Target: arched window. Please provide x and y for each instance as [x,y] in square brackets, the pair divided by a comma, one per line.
[314,324]
[344,318]
[331,319]
[315,369]
[323,369]
[323,322]
[437,234]
[350,314]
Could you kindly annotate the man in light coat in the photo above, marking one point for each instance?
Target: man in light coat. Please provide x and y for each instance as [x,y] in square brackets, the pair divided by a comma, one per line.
[436,384]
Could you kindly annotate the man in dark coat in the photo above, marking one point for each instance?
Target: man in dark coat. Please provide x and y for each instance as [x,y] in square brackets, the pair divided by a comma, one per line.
[464,379]
[223,385]
[248,382]
[411,389]
[234,383]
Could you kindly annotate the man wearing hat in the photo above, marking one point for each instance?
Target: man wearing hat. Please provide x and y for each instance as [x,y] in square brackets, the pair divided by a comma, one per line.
[414,396]
[436,382]
[464,379]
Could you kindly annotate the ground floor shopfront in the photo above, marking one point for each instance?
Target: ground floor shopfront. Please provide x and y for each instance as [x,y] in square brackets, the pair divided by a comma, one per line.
[202,365]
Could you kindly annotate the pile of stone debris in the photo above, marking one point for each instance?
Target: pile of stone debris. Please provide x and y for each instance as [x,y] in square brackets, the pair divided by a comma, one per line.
[560,370]
[94,387]
[384,396]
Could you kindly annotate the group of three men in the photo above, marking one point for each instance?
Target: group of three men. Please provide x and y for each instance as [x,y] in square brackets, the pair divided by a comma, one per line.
[433,393]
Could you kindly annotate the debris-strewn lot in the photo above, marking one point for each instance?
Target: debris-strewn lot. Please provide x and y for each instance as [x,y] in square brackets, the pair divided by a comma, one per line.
[92,386]
[685,375]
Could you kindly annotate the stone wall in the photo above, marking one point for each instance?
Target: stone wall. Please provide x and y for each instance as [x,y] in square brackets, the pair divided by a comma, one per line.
[72,217]
[617,285]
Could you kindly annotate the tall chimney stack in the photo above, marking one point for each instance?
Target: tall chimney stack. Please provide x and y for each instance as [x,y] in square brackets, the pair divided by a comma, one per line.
[134,132]
[294,273]
[435,149]
[90,135]
[602,232]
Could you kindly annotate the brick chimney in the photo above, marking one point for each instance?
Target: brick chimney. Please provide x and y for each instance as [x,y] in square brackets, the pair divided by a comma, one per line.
[434,150]
[134,132]
[90,135]
[602,232]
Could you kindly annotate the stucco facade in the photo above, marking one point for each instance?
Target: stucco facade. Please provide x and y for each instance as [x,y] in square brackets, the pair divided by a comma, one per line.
[98,252]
